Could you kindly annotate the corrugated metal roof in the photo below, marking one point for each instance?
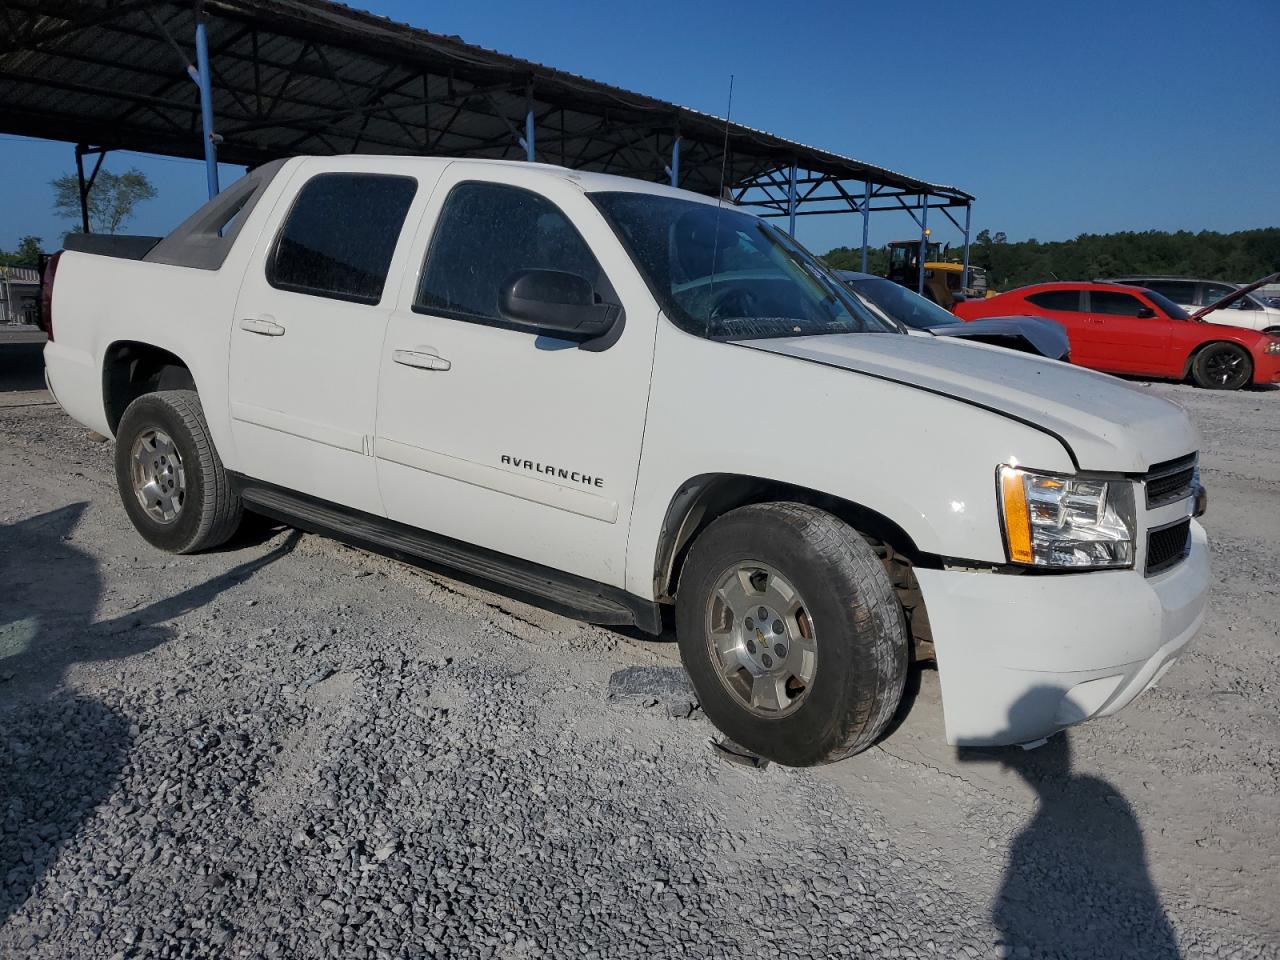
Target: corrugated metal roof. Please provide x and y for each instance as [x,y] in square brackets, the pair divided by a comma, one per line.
[20,274]
[312,76]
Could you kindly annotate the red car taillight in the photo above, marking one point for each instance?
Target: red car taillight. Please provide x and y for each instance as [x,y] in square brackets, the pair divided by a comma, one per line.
[46,294]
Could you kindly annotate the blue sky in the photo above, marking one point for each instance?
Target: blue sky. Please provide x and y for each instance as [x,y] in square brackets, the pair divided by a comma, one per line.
[1062,118]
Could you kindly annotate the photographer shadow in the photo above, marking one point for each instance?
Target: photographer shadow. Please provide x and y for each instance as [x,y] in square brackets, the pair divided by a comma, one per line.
[61,752]
[1076,882]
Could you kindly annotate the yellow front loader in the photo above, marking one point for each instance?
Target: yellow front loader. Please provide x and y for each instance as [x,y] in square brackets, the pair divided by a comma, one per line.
[943,276]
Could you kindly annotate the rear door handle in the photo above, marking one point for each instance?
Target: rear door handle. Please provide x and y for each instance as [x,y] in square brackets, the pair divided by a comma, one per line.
[262,325]
[422,359]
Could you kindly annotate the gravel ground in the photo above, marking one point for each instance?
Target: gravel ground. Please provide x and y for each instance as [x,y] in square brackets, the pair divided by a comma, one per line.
[292,749]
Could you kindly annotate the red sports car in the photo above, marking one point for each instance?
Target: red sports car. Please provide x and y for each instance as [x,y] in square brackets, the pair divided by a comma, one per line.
[1132,330]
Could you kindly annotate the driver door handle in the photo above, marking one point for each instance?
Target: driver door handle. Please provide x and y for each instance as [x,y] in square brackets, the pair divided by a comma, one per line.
[422,359]
[263,326]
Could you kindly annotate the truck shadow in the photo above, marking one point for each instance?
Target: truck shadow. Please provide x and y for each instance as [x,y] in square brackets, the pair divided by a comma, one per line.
[1077,882]
[21,366]
[61,752]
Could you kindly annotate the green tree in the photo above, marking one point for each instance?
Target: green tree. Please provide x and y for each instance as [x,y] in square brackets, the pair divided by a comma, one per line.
[1241,256]
[850,258]
[27,254]
[111,201]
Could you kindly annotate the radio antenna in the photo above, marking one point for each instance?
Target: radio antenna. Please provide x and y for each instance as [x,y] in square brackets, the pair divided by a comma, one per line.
[724,154]
[715,236]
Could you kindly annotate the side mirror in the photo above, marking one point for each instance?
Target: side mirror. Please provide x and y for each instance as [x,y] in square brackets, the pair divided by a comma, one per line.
[555,301]
[1145,313]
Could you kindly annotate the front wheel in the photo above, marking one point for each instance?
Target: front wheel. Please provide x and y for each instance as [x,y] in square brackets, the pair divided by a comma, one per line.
[1222,366]
[791,633]
[171,480]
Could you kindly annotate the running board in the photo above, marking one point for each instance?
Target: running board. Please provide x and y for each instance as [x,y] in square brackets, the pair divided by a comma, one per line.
[560,592]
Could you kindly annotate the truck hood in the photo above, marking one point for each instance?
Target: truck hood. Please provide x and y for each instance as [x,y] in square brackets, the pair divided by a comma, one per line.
[1105,423]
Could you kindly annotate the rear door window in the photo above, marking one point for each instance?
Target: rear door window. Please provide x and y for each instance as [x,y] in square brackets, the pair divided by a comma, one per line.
[338,238]
[1068,300]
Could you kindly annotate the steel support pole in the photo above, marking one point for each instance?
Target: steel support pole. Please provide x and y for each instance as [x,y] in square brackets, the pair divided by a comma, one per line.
[84,190]
[866,221]
[791,200]
[530,149]
[924,244]
[964,275]
[204,79]
[675,161]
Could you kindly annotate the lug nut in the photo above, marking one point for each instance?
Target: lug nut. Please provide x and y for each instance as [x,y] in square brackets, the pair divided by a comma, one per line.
[764,614]
[779,649]
[768,660]
[751,646]
[750,624]
[777,626]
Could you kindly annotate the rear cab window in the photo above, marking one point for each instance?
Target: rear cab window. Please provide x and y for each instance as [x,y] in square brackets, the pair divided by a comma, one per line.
[1064,300]
[339,236]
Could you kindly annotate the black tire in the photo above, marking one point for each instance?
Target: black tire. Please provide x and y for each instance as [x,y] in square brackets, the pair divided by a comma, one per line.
[858,628]
[1222,366]
[210,509]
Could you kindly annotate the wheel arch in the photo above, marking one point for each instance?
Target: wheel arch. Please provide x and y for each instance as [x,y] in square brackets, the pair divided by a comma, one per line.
[132,368]
[702,499]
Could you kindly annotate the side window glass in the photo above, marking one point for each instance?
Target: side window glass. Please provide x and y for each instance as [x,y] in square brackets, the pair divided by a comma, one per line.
[1184,293]
[338,239]
[1113,303]
[486,233]
[1057,300]
[1213,292]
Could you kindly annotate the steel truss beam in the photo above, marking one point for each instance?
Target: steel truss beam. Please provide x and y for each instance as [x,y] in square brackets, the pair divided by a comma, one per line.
[280,82]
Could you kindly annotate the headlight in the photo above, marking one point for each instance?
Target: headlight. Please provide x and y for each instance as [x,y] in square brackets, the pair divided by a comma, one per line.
[1272,347]
[1066,522]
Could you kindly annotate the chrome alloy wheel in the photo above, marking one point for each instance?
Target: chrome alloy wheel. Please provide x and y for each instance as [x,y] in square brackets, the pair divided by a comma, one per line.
[761,639]
[158,479]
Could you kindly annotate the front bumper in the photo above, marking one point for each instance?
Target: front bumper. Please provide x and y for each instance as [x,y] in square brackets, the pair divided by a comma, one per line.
[1021,657]
[1266,369]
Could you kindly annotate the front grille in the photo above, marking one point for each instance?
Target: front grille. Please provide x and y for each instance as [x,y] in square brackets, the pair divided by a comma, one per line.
[1171,481]
[1167,546]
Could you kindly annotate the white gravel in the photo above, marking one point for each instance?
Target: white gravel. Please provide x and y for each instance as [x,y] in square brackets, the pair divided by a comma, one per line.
[292,749]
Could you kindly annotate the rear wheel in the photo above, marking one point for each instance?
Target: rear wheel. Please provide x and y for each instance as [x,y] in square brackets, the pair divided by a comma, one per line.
[791,633]
[171,480]
[1222,366]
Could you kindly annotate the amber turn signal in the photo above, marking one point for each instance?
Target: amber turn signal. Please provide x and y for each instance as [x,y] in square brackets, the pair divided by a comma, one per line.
[1017,519]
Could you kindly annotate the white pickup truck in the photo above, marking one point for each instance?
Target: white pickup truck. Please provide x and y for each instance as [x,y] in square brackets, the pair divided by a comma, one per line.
[619,398]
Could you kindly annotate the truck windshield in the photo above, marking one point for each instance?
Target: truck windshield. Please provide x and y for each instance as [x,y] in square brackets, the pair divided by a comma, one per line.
[726,275]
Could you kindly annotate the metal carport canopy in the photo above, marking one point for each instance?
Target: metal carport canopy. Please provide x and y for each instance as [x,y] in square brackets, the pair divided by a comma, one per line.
[311,76]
